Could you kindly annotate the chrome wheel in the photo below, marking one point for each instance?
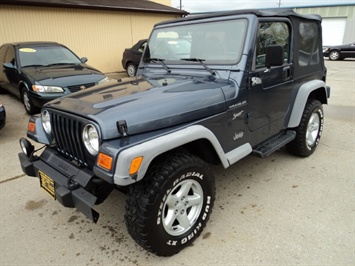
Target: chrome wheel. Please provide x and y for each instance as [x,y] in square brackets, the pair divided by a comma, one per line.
[182,207]
[334,55]
[313,127]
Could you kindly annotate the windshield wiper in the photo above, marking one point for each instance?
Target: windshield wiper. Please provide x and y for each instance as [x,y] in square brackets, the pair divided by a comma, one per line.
[162,63]
[58,64]
[34,65]
[202,63]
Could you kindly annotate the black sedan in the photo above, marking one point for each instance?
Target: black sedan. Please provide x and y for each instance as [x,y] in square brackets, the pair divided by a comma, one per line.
[339,52]
[132,56]
[38,72]
[2,115]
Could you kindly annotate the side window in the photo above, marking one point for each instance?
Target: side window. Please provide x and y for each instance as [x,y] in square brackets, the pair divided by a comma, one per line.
[10,56]
[141,48]
[3,50]
[270,33]
[308,44]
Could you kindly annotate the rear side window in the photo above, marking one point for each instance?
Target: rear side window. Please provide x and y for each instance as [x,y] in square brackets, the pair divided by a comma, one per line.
[308,44]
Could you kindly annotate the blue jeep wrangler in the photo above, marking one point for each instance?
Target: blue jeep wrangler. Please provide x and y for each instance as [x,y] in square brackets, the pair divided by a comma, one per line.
[210,89]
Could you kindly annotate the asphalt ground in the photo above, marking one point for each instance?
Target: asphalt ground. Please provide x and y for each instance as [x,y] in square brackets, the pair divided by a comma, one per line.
[281,210]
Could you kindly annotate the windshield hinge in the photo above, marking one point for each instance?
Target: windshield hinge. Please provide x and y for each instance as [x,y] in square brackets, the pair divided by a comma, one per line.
[122,128]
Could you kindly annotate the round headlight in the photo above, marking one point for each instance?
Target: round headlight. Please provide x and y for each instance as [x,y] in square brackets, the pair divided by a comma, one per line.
[46,122]
[91,139]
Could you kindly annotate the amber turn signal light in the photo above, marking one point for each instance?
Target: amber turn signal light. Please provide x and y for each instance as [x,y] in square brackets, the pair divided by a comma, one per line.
[135,164]
[104,161]
[31,127]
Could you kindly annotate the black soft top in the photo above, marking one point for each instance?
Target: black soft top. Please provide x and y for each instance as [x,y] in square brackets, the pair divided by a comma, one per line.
[279,12]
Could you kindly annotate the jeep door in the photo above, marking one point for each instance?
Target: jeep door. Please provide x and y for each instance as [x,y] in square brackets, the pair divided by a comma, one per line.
[270,89]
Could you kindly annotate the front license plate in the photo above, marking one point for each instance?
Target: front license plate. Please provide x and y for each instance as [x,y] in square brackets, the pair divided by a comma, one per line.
[47,183]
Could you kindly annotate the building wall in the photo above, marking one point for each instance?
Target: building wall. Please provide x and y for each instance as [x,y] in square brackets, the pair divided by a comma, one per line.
[99,35]
[163,2]
[347,12]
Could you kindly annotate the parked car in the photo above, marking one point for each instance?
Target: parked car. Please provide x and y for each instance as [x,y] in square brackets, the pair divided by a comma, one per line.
[38,72]
[132,56]
[2,115]
[339,52]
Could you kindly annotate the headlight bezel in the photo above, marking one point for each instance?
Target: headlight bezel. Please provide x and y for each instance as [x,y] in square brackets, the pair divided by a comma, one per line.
[46,121]
[104,80]
[47,89]
[91,139]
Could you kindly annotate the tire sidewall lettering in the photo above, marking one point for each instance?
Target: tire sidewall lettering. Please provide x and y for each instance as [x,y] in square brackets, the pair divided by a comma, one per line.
[195,230]
[320,113]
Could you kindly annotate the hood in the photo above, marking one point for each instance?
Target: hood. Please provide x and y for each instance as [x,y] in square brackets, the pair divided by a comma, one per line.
[147,104]
[64,75]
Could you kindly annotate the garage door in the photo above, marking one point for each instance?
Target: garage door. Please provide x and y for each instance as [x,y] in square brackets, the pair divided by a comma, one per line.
[333,31]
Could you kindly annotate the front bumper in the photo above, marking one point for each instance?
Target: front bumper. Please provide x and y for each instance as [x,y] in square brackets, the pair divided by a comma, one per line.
[39,99]
[69,181]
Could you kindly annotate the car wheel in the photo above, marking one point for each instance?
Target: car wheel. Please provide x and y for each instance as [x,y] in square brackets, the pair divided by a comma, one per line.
[27,102]
[309,131]
[167,210]
[131,69]
[334,55]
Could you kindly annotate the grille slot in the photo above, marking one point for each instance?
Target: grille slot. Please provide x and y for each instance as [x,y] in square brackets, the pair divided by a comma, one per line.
[67,133]
[75,88]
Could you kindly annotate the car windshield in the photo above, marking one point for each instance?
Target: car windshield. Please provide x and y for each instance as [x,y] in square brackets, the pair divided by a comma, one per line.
[213,43]
[46,55]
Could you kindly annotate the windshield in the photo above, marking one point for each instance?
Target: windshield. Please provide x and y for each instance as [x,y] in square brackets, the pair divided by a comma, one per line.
[214,42]
[46,55]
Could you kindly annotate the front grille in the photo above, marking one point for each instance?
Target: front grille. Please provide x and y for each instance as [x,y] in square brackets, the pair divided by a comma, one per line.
[79,87]
[67,133]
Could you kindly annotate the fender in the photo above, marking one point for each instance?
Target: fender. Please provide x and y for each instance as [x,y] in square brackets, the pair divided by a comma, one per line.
[152,148]
[301,100]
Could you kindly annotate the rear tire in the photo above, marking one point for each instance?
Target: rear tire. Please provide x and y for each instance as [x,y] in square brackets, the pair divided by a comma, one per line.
[131,69]
[167,210]
[309,131]
[334,55]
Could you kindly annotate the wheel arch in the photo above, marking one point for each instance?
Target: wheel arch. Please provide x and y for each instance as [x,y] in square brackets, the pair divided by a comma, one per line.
[196,139]
[315,89]
[22,85]
[129,62]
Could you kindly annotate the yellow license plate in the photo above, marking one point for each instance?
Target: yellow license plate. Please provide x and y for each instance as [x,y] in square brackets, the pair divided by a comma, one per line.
[47,183]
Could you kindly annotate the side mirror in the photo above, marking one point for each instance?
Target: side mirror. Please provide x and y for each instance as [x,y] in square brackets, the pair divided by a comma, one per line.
[274,56]
[9,65]
[83,60]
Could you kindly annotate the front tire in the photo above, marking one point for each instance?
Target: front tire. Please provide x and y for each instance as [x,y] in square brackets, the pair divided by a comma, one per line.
[168,209]
[309,131]
[27,102]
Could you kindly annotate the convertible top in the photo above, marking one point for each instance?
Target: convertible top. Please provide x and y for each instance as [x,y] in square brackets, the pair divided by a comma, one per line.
[280,12]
